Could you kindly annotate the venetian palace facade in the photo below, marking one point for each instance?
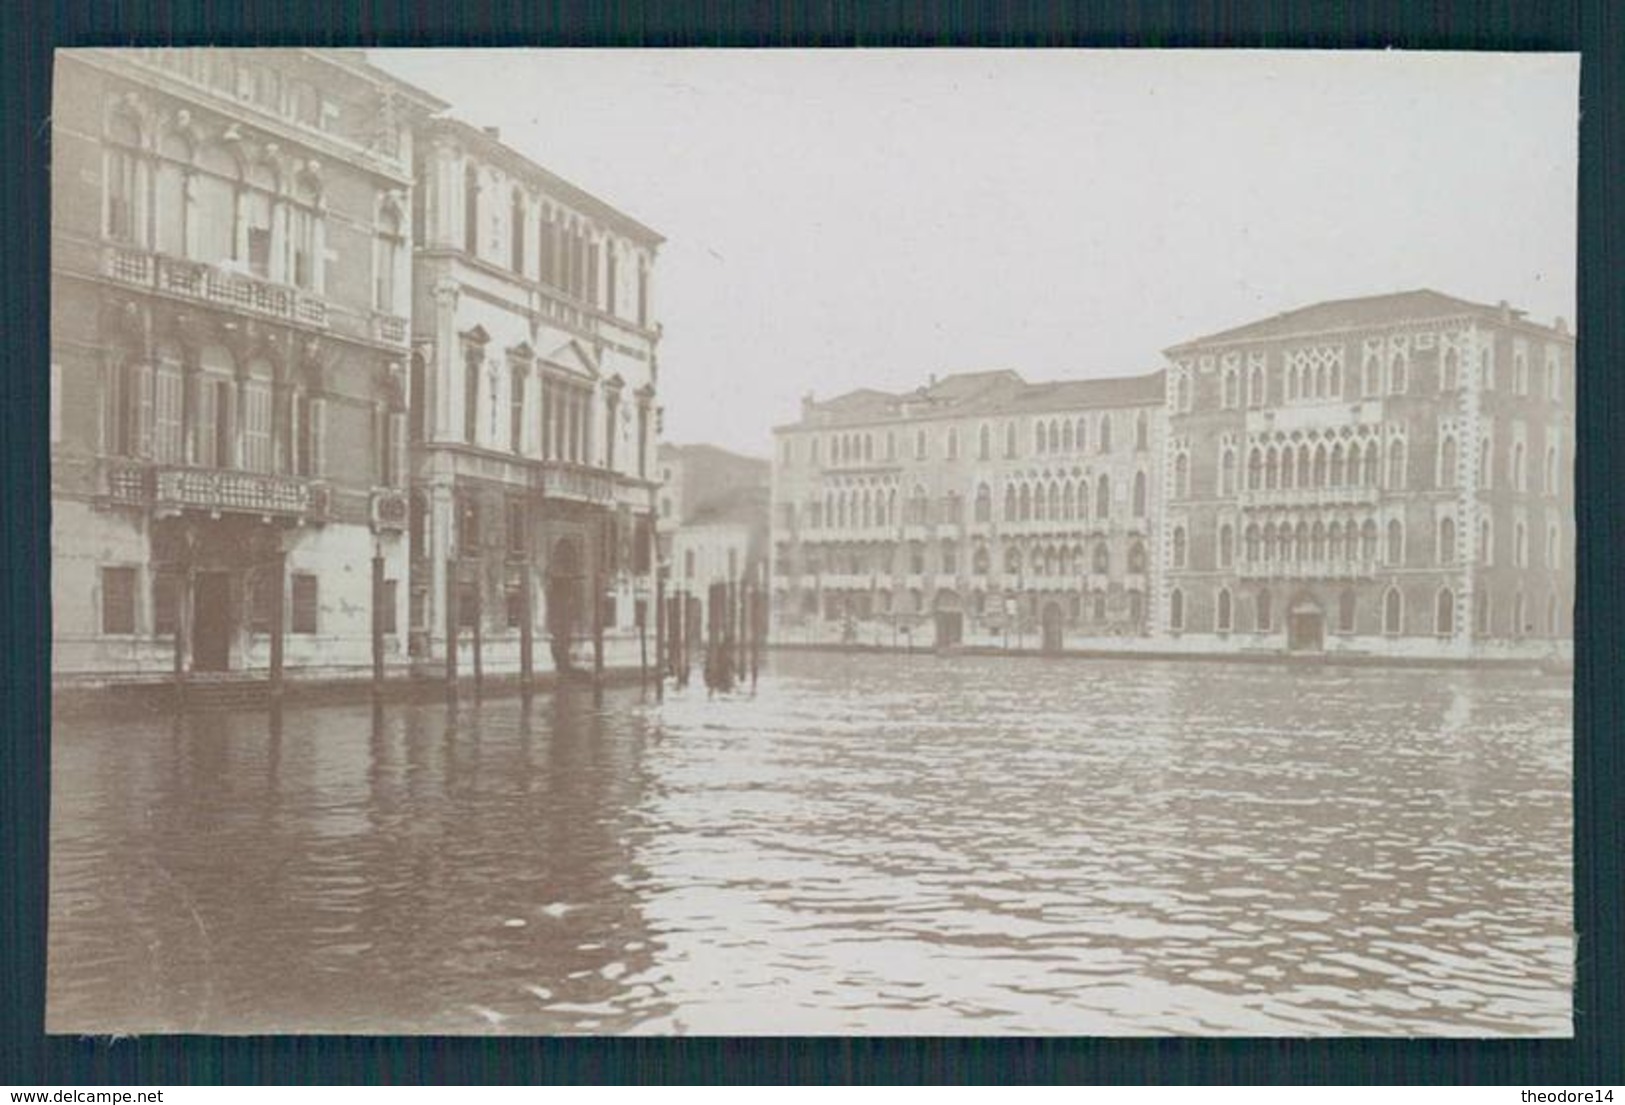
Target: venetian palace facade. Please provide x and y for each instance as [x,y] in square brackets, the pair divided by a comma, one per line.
[1387,474]
[230,280]
[330,374]
[978,510]
[535,365]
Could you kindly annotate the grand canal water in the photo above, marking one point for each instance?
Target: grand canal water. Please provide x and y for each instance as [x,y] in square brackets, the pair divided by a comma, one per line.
[905,845]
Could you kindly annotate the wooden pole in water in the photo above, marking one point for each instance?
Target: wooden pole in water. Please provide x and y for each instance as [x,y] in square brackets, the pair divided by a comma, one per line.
[597,624]
[278,621]
[479,634]
[527,630]
[451,626]
[660,633]
[377,622]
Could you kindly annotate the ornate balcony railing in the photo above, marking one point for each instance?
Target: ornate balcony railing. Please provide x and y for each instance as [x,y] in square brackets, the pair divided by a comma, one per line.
[575,483]
[1307,569]
[1258,497]
[390,328]
[212,284]
[214,490]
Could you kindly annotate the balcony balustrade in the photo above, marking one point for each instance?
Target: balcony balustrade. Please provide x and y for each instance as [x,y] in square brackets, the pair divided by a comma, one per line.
[575,483]
[214,490]
[213,284]
[1307,569]
[1355,495]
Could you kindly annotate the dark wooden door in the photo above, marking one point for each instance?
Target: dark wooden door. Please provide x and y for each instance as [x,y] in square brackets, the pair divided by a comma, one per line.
[211,622]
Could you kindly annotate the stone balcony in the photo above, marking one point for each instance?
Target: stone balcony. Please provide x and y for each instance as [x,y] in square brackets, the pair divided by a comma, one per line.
[1261,498]
[1307,569]
[173,489]
[561,480]
[214,285]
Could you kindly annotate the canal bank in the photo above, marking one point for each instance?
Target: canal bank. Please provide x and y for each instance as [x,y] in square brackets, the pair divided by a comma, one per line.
[1561,664]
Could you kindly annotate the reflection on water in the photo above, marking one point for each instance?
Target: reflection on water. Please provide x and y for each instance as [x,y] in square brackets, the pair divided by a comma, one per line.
[896,846]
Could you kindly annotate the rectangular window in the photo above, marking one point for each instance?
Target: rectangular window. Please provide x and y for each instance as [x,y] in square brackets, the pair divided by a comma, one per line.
[166,603]
[515,604]
[516,410]
[257,427]
[118,600]
[304,604]
[262,603]
[516,527]
[468,606]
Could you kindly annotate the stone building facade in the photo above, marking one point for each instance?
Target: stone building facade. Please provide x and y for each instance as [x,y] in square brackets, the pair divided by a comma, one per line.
[1391,474]
[713,507]
[534,420]
[231,277]
[978,510]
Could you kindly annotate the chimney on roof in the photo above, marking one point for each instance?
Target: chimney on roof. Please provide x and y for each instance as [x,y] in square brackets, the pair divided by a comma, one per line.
[494,132]
[1561,326]
[1506,310]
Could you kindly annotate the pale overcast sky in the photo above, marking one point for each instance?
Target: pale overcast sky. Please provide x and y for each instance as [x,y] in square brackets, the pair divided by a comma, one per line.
[842,219]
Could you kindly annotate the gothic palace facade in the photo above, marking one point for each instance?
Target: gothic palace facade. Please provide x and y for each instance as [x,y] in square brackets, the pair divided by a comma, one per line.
[1387,475]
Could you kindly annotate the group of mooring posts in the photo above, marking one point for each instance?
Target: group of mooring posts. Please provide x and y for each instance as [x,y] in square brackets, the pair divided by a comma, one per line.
[730,641]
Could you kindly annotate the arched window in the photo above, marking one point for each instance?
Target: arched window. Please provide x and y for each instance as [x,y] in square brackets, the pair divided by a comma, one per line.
[1265,614]
[1026,508]
[1105,433]
[1182,476]
[306,243]
[1012,560]
[1334,541]
[1553,546]
[1345,610]
[1139,494]
[1179,546]
[1396,542]
[1255,386]
[1447,462]
[1227,472]
[389,253]
[984,443]
[1450,371]
[1103,496]
[1039,438]
[1102,559]
[1010,439]
[1396,465]
[1371,464]
[1222,608]
[1176,609]
[1252,544]
[1393,612]
[1054,438]
[1447,541]
[1040,510]
[1318,474]
[1066,435]
[984,503]
[1054,501]
[1520,546]
[1009,502]
[1255,469]
[1444,612]
[1336,473]
[1305,475]
[1398,373]
[1081,435]
[214,205]
[124,176]
[981,562]
[1317,541]
[1227,545]
[1271,466]
[1368,541]
[1300,542]
[1136,558]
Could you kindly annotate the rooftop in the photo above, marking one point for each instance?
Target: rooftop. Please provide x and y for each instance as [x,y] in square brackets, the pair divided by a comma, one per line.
[1358,313]
[968,394]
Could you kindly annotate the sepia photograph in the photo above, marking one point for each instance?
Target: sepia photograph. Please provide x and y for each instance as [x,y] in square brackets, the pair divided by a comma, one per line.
[812,542]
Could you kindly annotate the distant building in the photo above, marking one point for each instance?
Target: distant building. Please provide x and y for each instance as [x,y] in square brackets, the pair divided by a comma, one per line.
[230,254]
[713,522]
[980,509]
[1386,474]
[535,417]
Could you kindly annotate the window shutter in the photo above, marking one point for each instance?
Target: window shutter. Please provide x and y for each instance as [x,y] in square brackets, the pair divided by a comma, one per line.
[397,443]
[318,436]
[205,420]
